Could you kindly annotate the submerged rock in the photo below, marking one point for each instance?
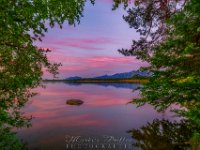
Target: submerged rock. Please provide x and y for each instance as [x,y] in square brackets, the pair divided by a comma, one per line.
[76,102]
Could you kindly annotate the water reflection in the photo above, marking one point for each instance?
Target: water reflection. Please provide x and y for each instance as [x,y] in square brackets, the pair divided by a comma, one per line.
[164,134]
[105,113]
[116,85]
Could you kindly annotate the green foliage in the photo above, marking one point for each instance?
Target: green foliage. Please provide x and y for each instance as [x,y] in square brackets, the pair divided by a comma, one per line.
[21,62]
[11,117]
[9,141]
[21,23]
[170,43]
[125,3]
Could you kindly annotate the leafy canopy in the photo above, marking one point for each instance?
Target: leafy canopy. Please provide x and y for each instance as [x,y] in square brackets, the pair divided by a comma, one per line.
[23,22]
[170,43]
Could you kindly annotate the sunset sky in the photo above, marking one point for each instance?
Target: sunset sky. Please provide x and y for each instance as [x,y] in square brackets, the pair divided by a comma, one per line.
[90,48]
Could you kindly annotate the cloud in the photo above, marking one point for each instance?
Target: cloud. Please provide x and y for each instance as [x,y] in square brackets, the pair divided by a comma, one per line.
[76,60]
[76,65]
[86,43]
[109,59]
[78,43]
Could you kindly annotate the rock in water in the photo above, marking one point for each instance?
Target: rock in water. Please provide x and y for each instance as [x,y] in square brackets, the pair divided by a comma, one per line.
[76,102]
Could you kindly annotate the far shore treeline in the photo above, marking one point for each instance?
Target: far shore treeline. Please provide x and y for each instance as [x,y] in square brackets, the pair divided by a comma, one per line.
[92,80]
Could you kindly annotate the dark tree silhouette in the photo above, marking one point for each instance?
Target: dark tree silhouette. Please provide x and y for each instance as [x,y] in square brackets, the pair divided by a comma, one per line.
[164,134]
[170,43]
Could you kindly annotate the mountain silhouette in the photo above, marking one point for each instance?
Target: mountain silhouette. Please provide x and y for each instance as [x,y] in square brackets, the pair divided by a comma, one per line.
[124,75]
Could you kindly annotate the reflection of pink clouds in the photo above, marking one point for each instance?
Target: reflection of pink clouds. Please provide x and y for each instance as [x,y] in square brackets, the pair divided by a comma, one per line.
[68,121]
[45,125]
[40,114]
[53,123]
[97,98]
[51,109]
[52,92]
[104,100]
[103,109]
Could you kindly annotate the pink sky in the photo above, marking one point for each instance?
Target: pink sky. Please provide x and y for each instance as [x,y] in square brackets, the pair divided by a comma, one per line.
[90,48]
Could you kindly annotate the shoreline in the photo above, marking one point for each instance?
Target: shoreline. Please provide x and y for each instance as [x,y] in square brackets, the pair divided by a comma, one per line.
[141,80]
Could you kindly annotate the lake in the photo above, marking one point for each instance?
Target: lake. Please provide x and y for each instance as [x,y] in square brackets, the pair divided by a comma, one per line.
[104,121]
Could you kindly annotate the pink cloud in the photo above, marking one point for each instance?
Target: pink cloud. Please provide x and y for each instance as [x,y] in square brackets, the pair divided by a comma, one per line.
[111,59]
[94,59]
[92,66]
[80,43]
[77,63]
[85,43]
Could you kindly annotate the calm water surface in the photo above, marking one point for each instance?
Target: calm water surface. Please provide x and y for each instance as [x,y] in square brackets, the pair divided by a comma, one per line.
[104,117]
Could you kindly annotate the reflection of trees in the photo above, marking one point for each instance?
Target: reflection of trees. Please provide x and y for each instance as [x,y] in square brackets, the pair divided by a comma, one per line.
[164,135]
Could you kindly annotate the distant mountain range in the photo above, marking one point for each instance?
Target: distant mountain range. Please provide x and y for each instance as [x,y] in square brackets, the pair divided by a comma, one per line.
[124,75]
